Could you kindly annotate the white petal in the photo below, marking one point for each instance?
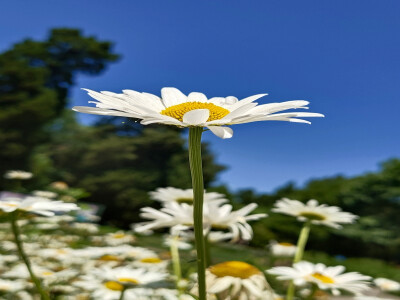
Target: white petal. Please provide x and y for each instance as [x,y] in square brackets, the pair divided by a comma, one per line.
[222,132]
[196,117]
[104,112]
[172,96]
[197,97]
[246,101]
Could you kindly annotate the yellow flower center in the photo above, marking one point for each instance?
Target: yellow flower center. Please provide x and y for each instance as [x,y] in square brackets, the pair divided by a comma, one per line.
[10,204]
[109,258]
[323,278]
[114,286]
[47,273]
[313,216]
[235,269]
[118,235]
[177,111]
[286,244]
[128,280]
[151,260]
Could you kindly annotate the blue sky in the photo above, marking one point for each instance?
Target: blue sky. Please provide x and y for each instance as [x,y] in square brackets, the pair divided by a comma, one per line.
[343,56]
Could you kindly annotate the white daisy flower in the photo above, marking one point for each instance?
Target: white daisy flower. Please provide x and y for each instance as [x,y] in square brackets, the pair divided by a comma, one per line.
[175,108]
[128,276]
[118,238]
[326,278]
[11,286]
[362,297]
[282,249]
[46,274]
[387,285]
[151,263]
[219,236]
[319,214]
[45,194]
[36,205]
[214,216]
[222,217]
[86,227]
[178,241]
[171,194]
[237,280]
[107,283]
[17,174]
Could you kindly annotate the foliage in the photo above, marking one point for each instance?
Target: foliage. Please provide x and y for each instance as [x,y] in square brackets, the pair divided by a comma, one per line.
[35,77]
[375,197]
[116,166]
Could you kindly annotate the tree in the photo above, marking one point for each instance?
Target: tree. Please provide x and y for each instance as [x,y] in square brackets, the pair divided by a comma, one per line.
[35,78]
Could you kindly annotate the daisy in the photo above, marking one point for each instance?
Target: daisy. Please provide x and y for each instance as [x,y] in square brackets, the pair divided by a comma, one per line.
[282,249]
[178,241]
[36,205]
[319,214]
[118,238]
[11,285]
[151,263]
[85,227]
[107,283]
[45,194]
[362,297]
[214,217]
[128,276]
[387,285]
[219,236]
[46,274]
[171,194]
[17,174]
[237,280]
[326,278]
[222,217]
[175,108]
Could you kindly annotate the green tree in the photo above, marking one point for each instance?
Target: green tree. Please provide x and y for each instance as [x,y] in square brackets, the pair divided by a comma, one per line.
[35,78]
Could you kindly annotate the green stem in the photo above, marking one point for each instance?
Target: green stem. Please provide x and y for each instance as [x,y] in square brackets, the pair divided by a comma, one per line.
[121,297]
[16,232]
[207,246]
[198,195]
[312,293]
[301,244]
[176,264]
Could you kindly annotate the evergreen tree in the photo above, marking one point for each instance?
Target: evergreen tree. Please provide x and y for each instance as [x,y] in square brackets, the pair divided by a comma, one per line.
[35,78]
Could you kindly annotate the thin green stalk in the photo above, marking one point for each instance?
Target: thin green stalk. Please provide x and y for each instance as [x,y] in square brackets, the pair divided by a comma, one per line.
[121,297]
[198,195]
[301,244]
[176,263]
[312,293]
[207,246]
[16,232]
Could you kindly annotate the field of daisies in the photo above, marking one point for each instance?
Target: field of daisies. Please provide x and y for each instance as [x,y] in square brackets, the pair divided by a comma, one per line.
[53,248]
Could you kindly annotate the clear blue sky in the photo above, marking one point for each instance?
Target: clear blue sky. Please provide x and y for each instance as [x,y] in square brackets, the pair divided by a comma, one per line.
[343,56]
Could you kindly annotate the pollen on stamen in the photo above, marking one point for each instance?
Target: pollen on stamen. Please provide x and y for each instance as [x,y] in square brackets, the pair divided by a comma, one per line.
[178,111]
[323,278]
[237,269]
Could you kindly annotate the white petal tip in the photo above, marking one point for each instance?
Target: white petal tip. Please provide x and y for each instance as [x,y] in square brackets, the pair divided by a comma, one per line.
[221,131]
